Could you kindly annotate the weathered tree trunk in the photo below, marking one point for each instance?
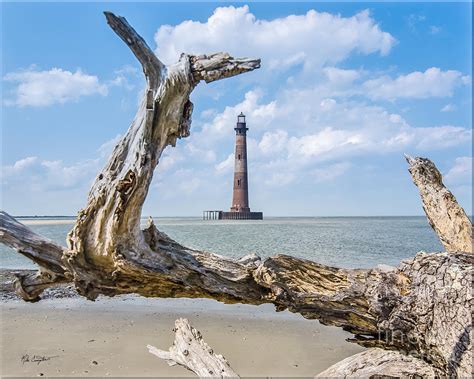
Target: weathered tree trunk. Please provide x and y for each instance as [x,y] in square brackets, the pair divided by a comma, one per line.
[445,215]
[421,308]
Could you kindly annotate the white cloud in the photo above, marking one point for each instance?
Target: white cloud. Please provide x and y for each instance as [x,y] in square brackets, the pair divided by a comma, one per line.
[44,88]
[203,154]
[23,163]
[295,132]
[441,137]
[219,128]
[461,172]
[322,143]
[340,76]
[45,175]
[42,175]
[331,172]
[273,142]
[448,108]
[419,85]
[226,165]
[170,158]
[312,39]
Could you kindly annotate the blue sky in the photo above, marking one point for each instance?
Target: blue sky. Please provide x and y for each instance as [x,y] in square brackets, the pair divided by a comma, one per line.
[344,90]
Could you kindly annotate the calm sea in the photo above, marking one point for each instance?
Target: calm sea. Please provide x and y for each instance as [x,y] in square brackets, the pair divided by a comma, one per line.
[339,241]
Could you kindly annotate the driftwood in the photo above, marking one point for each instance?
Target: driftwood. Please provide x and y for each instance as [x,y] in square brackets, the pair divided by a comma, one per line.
[375,363]
[41,250]
[421,308]
[445,215]
[190,351]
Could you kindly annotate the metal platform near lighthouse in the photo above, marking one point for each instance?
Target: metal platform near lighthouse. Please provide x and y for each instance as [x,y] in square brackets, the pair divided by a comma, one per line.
[221,215]
[240,209]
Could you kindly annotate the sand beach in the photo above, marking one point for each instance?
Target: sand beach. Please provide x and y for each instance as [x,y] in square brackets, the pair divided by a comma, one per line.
[64,335]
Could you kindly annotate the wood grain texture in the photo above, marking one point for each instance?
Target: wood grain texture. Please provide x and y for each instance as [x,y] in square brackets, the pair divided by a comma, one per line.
[445,215]
[190,351]
[379,363]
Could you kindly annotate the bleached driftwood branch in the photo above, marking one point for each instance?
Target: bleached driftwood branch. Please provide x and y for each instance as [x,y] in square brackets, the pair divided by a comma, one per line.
[190,351]
[40,250]
[445,215]
[379,363]
[421,308]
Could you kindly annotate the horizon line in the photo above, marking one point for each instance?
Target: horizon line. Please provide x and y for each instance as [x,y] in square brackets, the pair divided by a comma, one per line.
[196,216]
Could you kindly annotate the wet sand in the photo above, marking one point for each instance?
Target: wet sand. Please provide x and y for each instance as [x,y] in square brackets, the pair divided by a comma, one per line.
[108,337]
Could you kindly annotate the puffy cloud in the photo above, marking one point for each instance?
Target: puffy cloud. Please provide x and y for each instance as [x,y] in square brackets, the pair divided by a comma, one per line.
[226,165]
[45,175]
[419,85]
[170,158]
[54,175]
[317,129]
[258,115]
[441,137]
[20,165]
[325,142]
[311,39]
[340,76]
[273,142]
[197,152]
[44,88]
[207,139]
[461,172]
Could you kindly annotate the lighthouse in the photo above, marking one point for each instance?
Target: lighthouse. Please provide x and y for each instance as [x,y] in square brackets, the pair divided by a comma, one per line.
[240,197]
[240,208]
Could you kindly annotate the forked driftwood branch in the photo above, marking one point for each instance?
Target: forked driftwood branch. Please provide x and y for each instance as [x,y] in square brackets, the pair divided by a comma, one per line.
[190,351]
[421,308]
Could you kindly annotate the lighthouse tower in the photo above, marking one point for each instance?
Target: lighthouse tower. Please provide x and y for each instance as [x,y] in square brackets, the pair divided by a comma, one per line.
[240,198]
[240,209]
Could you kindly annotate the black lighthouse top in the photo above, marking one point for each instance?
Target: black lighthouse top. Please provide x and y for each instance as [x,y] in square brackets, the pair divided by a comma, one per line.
[241,127]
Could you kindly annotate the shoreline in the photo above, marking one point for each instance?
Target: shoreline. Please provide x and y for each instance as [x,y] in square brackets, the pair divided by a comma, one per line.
[108,337]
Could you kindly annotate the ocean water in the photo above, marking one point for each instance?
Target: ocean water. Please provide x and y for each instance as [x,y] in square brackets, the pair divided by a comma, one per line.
[338,241]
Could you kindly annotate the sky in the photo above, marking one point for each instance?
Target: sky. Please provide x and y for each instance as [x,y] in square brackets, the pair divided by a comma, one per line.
[344,90]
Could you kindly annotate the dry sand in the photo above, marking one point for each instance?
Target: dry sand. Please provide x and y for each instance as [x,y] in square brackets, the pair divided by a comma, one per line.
[109,337]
